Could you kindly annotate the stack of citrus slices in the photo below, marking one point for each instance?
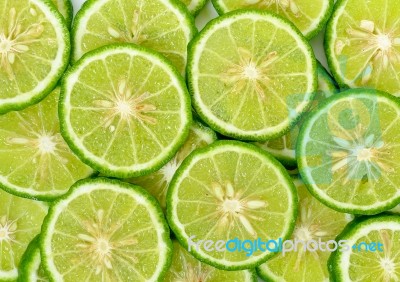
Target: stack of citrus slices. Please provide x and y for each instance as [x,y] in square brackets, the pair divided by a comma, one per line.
[135,146]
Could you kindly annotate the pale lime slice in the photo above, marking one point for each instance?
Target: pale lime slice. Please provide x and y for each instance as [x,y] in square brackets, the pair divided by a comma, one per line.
[157,183]
[37,163]
[185,267]
[309,18]
[194,6]
[362,43]
[373,254]
[163,25]
[65,8]
[230,190]
[34,52]
[30,268]
[348,152]
[124,110]
[20,222]
[251,74]
[284,148]
[105,230]
[315,222]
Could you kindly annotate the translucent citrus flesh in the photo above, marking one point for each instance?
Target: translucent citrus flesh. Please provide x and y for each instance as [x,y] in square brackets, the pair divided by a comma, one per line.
[258,83]
[20,222]
[157,183]
[30,45]
[156,24]
[364,44]
[106,233]
[37,161]
[231,192]
[349,151]
[134,116]
[284,148]
[185,267]
[306,17]
[315,222]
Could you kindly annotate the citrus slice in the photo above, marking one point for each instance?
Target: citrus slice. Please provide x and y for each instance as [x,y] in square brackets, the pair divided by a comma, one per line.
[34,49]
[374,252]
[36,161]
[66,9]
[315,222]
[163,25]
[30,269]
[284,148]
[105,230]
[347,152]
[157,183]
[362,44]
[194,6]
[185,267]
[124,110]
[308,18]
[259,83]
[20,222]
[230,190]
[396,210]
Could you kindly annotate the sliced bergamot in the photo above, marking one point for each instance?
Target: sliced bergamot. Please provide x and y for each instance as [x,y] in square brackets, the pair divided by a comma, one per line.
[105,230]
[34,52]
[163,25]
[36,161]
[251,74]
[124,110]
[157,183]
[284,148]
[348,152]
[226,191]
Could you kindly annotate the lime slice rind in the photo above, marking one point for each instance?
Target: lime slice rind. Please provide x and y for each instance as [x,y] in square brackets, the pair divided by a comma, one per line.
[66,9]
[30,267]
[195,6]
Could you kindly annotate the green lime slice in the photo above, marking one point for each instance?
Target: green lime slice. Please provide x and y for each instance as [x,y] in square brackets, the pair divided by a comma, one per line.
[373,253]
[163,25]
[315,222]
[105,230]
[396,210]
[66,9]
[30,268]
[362,44]
[124,110]
[20,222]
[157,183]
[34,48]
[260,82]
[284,148]
[309,18]
[36,161]
[230,190]
[185,267]
[194,6]
[348,152]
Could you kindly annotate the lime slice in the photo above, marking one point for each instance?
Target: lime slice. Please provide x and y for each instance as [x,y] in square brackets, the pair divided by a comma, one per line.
[259,84]
[374,252]
[34,48]
[185,267]
[105,230]
[30,269]
[396,210]
[308,18]
[37,163]
[348,152]
[20,222]
[230,190]
[315,222]
[194,6]
[65,8]
[163,25]
[362,44]
[284,148]
[124,110]
[157,183]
